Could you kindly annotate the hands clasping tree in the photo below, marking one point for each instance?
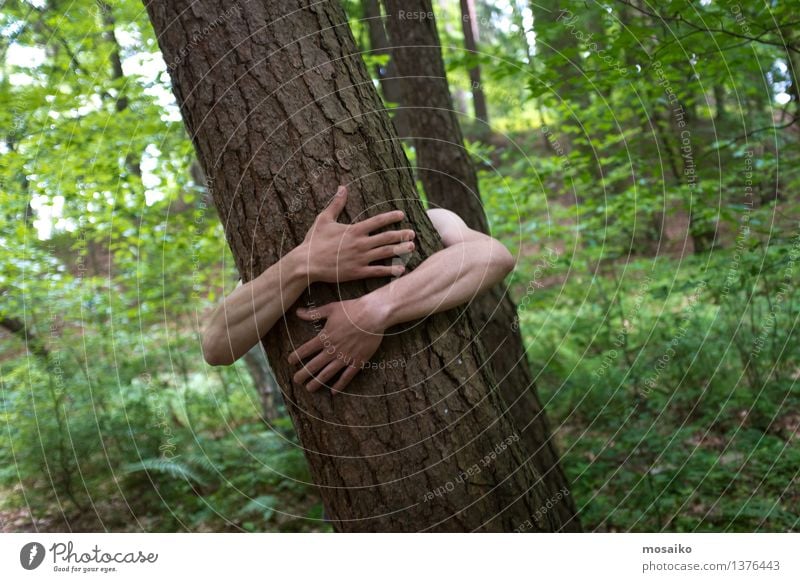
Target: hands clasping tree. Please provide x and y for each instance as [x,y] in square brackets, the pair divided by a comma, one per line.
[281,110]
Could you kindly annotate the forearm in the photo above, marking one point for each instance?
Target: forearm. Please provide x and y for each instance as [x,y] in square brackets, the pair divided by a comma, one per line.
[251,310]
[448,278]
[470,263]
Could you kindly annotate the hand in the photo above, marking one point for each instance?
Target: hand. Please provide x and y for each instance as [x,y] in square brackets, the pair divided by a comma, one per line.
[352,333]
[335,253]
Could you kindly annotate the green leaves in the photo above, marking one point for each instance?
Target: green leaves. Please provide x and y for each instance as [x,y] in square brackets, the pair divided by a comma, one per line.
[263,506]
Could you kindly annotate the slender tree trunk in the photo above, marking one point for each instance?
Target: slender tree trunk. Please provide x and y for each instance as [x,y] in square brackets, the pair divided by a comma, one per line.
[391,88]
[469,23]
[110,36]
[443,164]
[133,162]
[449,179]
[264,383]
[719,105]
[281,110]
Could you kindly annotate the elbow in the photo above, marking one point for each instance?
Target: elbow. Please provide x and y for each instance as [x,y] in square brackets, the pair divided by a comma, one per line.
[504,259]
[214,353]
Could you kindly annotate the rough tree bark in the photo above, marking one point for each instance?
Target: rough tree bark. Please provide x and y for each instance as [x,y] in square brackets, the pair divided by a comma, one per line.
[281,110]
[449,179]
[469,24]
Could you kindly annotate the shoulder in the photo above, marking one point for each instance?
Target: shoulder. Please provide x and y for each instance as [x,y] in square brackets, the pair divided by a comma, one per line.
[451,227]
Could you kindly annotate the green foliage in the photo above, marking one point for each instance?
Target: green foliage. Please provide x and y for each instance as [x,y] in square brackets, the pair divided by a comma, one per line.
[652,208]
[175,469]
[109,417]
[678,395]
[656,274]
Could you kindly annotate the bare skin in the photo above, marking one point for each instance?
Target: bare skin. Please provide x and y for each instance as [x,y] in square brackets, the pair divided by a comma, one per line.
[470,263]
[331,252]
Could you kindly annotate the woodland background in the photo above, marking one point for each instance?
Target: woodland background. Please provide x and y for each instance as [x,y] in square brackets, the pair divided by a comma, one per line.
[639,159]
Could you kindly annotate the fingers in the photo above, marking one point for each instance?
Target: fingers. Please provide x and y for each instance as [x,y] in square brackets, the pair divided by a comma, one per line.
[388,251]
[327,373]
[312,367]
[309,348]
[381,220]
[337,204]
[345,379]
[391,237]
[383,271]
[312,314]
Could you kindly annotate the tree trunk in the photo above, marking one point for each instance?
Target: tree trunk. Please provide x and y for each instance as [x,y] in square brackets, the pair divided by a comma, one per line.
[264,383]
[443,164]
[469,23]
[387,74]
[450,181]
[281,110]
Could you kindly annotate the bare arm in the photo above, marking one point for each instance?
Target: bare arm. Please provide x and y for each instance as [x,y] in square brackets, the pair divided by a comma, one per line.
[470,263]
[251,310]
[331,252]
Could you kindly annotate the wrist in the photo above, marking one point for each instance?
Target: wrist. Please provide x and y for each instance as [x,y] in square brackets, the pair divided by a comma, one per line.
[375,311]
[300,267]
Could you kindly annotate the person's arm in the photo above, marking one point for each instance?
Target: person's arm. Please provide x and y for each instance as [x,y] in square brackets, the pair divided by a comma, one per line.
[470,263]
[331,252]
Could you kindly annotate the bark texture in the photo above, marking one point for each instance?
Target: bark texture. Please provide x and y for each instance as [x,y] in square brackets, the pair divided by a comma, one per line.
[450,181]
[281,110]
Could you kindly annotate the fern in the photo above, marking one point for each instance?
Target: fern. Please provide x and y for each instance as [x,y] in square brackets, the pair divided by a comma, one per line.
[264,504]
[171,467]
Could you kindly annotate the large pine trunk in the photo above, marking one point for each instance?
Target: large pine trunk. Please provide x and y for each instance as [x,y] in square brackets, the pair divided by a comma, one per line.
[281,110]
[448,176]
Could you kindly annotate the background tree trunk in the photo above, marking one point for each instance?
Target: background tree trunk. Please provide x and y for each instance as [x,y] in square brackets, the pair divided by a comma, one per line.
[443,164]
[391,88]
[281,110]
[469,23]
[264,383]
[450,181]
